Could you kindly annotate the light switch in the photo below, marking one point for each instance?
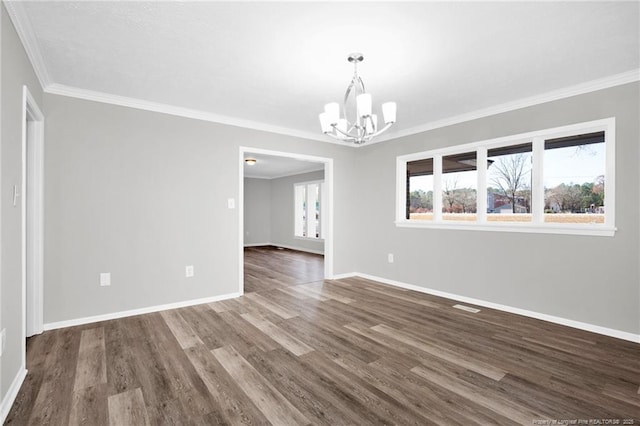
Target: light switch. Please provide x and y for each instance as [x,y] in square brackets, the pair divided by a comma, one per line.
[231,203]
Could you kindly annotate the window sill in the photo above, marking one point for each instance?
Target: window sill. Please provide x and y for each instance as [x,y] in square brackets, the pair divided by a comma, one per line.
[547,228]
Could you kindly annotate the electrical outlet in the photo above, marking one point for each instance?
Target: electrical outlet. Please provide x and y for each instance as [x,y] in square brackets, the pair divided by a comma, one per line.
[188,271]
[3,340]
[105,279]
[390,258]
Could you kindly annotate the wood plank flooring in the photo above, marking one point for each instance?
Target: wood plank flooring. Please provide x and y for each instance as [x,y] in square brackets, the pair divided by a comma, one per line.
[269,267]
[341,352]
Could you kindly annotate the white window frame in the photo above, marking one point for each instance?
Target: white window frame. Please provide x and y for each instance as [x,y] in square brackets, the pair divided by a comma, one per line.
[537,224]
[310,211]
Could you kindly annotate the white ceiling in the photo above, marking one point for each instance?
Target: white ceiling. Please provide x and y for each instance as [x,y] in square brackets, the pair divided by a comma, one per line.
[271,167]
[273,65]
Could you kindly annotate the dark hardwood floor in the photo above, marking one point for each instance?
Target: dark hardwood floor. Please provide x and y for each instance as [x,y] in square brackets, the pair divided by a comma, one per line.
[342,352]
[269,267]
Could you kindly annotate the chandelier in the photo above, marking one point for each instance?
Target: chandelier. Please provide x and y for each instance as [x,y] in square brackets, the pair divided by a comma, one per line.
[359,125]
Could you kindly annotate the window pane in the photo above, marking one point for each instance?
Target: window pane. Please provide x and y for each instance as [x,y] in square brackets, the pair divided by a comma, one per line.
[574,179]
[459,186]
[509,183]
[300,210]
[420,189]
[313,212]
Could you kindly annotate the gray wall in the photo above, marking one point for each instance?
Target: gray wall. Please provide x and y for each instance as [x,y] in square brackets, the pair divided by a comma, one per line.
[589,279]
[142,194]
[15,71]
[282,219]
[257,211]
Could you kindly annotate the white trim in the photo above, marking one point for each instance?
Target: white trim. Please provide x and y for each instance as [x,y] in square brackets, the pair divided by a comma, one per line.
[139,311]
[90,95]
[528,227]
[26,34]
[537,224]
[565,92]
[342,276]
[624,335]
[482,184]
[320,240]
[306,250]
[328,222]
[579,89]
[284,175]
[4,407]
[12,393]
[537,182]
[241,221]
[33,217]
[437,189]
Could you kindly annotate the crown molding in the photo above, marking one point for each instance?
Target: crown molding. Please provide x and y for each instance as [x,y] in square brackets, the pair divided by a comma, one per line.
[566,92]
[90,95]
[578,89]
[26,34]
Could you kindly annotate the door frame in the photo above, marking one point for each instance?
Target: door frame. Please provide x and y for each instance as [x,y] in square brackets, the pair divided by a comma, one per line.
[327,221]
[33,218]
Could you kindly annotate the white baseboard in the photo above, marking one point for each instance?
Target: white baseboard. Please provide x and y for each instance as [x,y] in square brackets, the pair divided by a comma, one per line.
[12,393]
[341,276]
[299,249]
[140,311]
[306,250]
[624,335]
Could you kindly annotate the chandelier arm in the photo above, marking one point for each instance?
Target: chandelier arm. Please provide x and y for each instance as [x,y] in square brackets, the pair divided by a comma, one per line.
[347,134]
[373,135]
[373,125]
[361,84]
[349,139]
[346,97]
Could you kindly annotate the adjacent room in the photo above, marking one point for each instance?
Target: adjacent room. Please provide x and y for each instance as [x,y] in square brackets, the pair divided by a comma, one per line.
[284,210]
[341,213]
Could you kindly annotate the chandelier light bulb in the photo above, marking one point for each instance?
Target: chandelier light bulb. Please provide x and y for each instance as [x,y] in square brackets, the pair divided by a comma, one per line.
[365,127]
[333,112]
[364,105]
[389,112]
[325,123]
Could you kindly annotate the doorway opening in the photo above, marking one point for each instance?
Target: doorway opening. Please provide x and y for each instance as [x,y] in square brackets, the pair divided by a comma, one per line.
[32,217]
[285,219]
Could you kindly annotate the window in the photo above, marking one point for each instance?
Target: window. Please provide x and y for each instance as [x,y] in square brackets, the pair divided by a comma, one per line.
[420,189]
[550,181]
[307,209]
[509,183]
[459,186]
[574,178]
